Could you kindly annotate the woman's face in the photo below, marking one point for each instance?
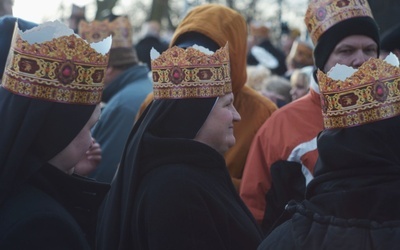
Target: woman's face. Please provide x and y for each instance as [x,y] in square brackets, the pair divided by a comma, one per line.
[217,130]
[76,150]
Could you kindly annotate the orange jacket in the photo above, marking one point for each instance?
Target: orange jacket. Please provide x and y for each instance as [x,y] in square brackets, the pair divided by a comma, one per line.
[289,134]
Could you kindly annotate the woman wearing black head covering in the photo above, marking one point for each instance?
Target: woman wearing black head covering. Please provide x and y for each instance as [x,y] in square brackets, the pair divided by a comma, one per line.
[44,132]
[172,189]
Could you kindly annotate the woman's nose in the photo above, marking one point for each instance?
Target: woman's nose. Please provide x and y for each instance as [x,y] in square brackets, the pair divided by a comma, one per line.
[236,116]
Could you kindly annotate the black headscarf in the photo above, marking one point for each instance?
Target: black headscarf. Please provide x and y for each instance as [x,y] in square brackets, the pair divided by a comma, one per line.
[165,122]
[161,123]
[391,39]
[33,131]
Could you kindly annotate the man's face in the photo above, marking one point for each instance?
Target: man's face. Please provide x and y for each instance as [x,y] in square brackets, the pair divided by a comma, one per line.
[352,51]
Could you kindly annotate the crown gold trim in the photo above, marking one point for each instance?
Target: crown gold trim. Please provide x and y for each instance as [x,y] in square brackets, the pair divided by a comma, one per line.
[66,70]
[120,29]
[323,14]
[371,94]
[189,73]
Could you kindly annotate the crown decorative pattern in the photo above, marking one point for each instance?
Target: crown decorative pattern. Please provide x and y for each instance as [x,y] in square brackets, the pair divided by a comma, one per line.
[65,69]
[189,73]
[323,14]
[120,29]
[371,94]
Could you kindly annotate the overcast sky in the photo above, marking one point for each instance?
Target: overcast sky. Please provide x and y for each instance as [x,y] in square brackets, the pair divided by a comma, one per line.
[48,10]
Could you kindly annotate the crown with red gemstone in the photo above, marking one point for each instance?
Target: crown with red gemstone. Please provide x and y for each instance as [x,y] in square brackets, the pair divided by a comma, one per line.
[323,14]
[120,29]
[49,62]
[370,94]
[191,73]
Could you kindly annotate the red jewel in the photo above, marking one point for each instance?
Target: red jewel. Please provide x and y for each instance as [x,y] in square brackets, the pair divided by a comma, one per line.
[321,13]
[66,72]
[379,91]
[176,74]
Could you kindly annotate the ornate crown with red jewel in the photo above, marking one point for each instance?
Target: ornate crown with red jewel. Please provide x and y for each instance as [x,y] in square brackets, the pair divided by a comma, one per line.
[194,72]
[370,94]
[120,29]
[49,62]
[323,14]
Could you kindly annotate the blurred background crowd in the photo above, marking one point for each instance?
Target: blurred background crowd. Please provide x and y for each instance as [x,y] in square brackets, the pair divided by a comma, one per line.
[278,44]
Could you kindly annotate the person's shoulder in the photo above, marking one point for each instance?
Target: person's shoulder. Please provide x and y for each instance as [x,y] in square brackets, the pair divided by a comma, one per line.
[35,213]
[176,180]
[287,116]
[280,238]
[172,172]
[295,107]
[138,86]
[41,205]
[179,174]
[126,102]
[28,194]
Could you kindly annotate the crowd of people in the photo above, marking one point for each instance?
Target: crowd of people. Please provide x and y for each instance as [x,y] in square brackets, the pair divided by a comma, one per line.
[220,138]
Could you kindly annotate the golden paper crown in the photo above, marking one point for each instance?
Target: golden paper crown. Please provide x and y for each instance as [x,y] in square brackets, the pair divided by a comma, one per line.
[190,73]
[120,29]
[65,69]
[371,94]
[323,14]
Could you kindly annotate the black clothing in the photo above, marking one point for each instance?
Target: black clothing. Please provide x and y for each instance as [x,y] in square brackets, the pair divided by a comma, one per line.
[390,39]
[191,205]
[311,228]
[38,203]
[172,192]
[287,183]
[52,210]
[353,201]
[35,131]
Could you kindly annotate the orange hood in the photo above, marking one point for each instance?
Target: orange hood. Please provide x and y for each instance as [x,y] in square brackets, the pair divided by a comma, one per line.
[222,25]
